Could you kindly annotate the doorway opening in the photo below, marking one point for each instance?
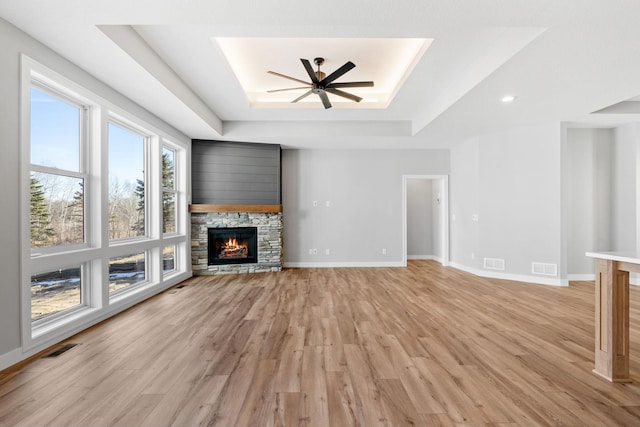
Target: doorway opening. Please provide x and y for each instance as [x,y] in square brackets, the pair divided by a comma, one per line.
[425,219]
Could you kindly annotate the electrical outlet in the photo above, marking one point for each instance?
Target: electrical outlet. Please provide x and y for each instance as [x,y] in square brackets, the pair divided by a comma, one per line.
[384,251]
[310,251]
[327,252]
[327,204]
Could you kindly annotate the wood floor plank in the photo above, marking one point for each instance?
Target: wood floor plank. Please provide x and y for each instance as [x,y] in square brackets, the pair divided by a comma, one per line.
[366,392]
[284,410]
[257,404]
[397,407]
[341,402]
[422,345]
[314,410]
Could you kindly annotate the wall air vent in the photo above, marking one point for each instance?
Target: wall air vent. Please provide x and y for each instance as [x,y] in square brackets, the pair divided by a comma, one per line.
[544,269]
[493,264]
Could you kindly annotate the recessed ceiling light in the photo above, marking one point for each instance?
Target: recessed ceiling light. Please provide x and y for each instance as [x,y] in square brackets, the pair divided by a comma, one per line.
[508,98]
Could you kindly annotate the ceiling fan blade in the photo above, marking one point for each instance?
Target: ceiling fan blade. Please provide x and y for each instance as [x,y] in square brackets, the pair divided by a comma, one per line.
[343,94]
[288,77]
[325,99]
[337,73]
[350,84]
[309,68]
[289,88]
[304,95]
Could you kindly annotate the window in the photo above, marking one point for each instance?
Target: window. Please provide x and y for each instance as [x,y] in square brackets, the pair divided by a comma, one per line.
[57,171]
[57,209]
[55,291]
[127,194]
[105,194]
[55,130]
[126,271]
[168,259]
[57,174]
[168,191]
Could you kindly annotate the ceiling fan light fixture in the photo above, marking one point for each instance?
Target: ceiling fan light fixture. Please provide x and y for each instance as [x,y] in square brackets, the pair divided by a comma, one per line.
[321,83]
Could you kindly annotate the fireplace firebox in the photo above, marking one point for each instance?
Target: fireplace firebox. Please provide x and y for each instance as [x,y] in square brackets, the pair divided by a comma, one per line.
[236,245]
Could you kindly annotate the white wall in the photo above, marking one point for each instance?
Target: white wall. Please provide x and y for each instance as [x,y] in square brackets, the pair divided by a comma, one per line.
[10,178]
[420,232]
[464,202]
[588,197]
[14,42]
[624,201]
[364,190]
[437,217]
[512,181]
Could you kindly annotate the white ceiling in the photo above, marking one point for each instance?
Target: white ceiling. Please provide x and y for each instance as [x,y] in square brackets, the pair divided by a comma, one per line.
[386,62]
[562,59]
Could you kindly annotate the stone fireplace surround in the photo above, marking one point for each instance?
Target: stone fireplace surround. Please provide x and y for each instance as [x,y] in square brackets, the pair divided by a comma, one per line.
[268,220]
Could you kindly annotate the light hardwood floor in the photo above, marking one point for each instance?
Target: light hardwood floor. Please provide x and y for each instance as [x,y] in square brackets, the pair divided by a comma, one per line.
[424,345]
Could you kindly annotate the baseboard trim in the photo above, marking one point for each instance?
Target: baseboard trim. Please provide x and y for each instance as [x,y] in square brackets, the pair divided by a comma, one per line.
[342,264]
[581,277]
[509,276]
[9,359]
[425,257]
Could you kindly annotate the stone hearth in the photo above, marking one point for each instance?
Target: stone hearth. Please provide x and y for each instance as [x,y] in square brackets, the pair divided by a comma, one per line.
[269,226]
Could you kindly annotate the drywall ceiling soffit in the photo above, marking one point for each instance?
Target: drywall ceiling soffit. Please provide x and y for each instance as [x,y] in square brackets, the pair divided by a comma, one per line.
[134,46]
[624,107]
[429,83]
[612,116]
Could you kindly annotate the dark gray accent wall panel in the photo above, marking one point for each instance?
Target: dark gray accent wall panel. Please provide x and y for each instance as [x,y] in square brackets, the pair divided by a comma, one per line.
[235,173]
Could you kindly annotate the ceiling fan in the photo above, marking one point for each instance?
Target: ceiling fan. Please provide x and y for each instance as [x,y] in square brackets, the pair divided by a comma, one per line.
[321,83]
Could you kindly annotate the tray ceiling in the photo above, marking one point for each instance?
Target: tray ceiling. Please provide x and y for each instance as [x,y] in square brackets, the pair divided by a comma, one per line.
[562,60]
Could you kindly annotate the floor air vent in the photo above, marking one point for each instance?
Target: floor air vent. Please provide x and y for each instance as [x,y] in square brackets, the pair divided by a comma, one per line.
[58,351]
[175,289]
